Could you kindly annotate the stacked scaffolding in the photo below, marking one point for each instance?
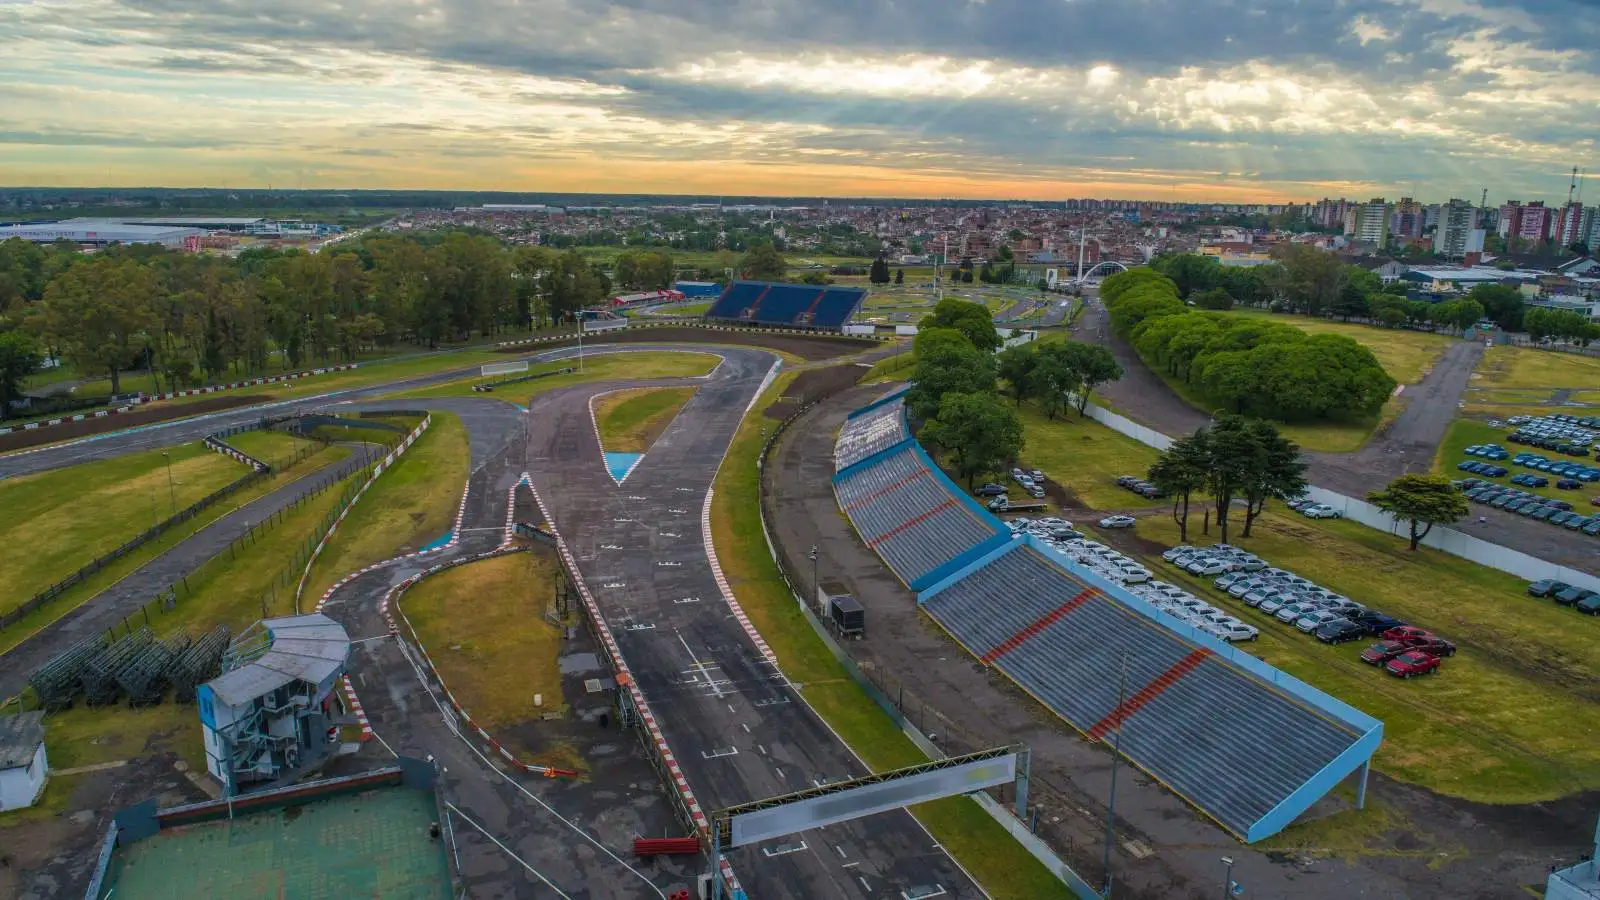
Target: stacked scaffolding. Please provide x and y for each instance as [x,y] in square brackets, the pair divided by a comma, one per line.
[57,681]
[198,664]
[99,677]
[144,678]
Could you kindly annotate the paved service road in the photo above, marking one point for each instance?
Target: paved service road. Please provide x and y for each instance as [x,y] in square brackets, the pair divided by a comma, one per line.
[738,728]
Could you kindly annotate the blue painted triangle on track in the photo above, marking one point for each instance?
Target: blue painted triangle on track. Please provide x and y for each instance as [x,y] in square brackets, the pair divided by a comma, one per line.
[620,464]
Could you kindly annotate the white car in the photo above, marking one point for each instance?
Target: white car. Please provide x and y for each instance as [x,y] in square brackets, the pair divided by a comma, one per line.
[1132,575]
[1117,522]
[1320,511]
[1312,621]
[1180,550]
[1233,631]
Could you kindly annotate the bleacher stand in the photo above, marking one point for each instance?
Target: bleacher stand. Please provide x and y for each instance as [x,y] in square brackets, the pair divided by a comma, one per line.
[1249,746]
[787,305]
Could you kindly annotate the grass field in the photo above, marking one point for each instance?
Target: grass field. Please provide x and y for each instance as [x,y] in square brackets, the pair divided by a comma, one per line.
[58,521]
[1406,355]
[1464,433]
[631,420]
[1086,457]
[111,574]
[409,506]
[599,367]
[1525,367]
[892,368]
[484,626]
[1005,870]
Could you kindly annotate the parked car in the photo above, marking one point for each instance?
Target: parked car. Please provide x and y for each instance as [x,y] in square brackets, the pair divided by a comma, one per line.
[1413,662]
[1382,652]
[1233,631]
[991,490]
[1312,621]
[1406,632]
[1569,484]
[1376,622]
[1320,511]
[1544,587]
[1433,646]
[1337,631]
[1589,604]
[1117,522]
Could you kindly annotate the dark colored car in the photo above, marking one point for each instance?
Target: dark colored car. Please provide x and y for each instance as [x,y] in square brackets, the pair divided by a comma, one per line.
[1413,663]
[1340,630]
[1382,652]
[1405,632]
[1569,484]
[1577,522]
[1569,596]
[1589,604]
[1434,646]
[991,490]
[1593,528]
[1559,517]
[1376,622]
[1544,587]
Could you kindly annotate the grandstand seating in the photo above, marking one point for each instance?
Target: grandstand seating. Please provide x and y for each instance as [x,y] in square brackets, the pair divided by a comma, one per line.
[790,305]
[906,511]
[877,429]
[1221,737]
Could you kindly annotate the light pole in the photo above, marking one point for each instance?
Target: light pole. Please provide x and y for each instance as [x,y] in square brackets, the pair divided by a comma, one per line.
[172,492]
[815,590]
[1229,889]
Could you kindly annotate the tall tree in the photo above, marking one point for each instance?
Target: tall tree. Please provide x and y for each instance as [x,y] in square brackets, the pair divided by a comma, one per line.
[971,319]
[19,358]
[763,262]
[1422,501]
[978,431]
[1230,463]
[1276,471]
[1179,471]
[1015,365]
[100,312]
[879,272]
[947,363]
[899,276]
[1093,365]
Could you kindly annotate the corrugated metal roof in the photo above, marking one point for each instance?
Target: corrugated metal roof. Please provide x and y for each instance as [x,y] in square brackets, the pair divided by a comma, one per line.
[304,648]
[20,737]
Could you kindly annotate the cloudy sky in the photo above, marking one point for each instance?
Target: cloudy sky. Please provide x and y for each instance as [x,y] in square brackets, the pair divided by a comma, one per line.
[1041,99]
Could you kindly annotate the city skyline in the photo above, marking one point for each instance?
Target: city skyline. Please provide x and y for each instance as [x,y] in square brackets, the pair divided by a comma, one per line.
[1006,99]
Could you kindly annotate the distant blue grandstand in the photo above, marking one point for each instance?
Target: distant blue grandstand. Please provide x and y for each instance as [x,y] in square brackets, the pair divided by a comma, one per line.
[787,305]
[1248,745]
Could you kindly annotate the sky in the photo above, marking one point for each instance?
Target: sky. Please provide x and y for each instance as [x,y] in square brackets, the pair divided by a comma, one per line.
[1185,100]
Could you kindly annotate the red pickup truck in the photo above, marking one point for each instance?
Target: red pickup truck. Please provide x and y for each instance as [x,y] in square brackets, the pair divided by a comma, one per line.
[1413,662]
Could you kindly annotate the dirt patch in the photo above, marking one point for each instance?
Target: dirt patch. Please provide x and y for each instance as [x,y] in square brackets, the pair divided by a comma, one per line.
[145,415]
[813,385]
[809,347]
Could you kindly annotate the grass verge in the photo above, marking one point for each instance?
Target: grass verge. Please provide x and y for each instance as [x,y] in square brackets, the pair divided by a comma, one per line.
[61,520]
[1525,367]
[1086,457]
[496,657]
[631,420]
[1406,355]
[409,506]
[91,587]
[999,863]
[600,367]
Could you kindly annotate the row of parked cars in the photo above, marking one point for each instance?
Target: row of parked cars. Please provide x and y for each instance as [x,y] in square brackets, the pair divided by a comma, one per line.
[1580,599]
[1533,506]
[1575,472]
[1139,486]
[1313,510]
[1571,435]
[1332,618]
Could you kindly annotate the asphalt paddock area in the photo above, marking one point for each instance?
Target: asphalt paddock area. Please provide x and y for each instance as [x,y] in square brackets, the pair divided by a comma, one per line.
[1412,843]
[807,347]
[737,728]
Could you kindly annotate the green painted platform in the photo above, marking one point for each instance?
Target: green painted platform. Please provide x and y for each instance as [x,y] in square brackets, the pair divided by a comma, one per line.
[373,844]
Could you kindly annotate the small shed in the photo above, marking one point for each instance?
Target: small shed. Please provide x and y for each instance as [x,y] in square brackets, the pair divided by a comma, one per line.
[23,767]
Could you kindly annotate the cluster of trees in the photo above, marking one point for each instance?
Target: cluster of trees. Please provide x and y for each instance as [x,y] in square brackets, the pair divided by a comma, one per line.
[1394,310]
[1245,365]
[1561,324]
[644,270]
[1057,374]
[1234,458]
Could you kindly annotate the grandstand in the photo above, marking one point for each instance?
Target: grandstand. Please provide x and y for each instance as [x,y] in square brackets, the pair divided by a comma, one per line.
[1249,746]
[787,305]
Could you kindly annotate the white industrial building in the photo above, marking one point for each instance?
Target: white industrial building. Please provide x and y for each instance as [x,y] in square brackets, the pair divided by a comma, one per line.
[103,231]
[23,767]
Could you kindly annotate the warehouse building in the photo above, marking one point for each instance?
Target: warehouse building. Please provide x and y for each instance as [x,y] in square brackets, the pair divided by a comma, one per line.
[99,232]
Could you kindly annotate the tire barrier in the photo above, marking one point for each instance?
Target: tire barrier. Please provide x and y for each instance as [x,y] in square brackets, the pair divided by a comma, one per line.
[192,392]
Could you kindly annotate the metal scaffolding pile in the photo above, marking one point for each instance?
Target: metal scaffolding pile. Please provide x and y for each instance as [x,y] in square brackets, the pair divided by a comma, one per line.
[144,678]
[99,677]
[56,682]
[198,664]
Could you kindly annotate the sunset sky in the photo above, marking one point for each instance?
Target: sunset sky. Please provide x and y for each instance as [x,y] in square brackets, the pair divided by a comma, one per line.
[1041,99]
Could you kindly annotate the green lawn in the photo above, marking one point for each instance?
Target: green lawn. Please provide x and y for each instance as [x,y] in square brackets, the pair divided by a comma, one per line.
[1006,871]
[1507,720]
[631,420]
[411,504]
[892,368]
[497,657]
[1525,367]
[1086,457]
[58,521]
[599,367]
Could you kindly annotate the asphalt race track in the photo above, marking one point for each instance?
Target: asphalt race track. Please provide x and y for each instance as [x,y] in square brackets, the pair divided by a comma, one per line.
[738,728]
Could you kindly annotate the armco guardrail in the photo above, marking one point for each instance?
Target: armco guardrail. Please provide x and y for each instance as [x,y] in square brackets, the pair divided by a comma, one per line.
[708,326]
[192,392]
[1448,540]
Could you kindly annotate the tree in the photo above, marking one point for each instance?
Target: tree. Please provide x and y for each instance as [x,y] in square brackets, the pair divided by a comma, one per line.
[899,276]
[763,262]
[1092,365]
[1422,501]
[816,278]
[1053,377]
[1230,463]
[879,273]
[1015,366]
[1501,303]
[19,358]
[99,312]
[947,363]
[1179,471]
[1191,272]
[1215,298]
[1276,471]
[979,432]
[971,319]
